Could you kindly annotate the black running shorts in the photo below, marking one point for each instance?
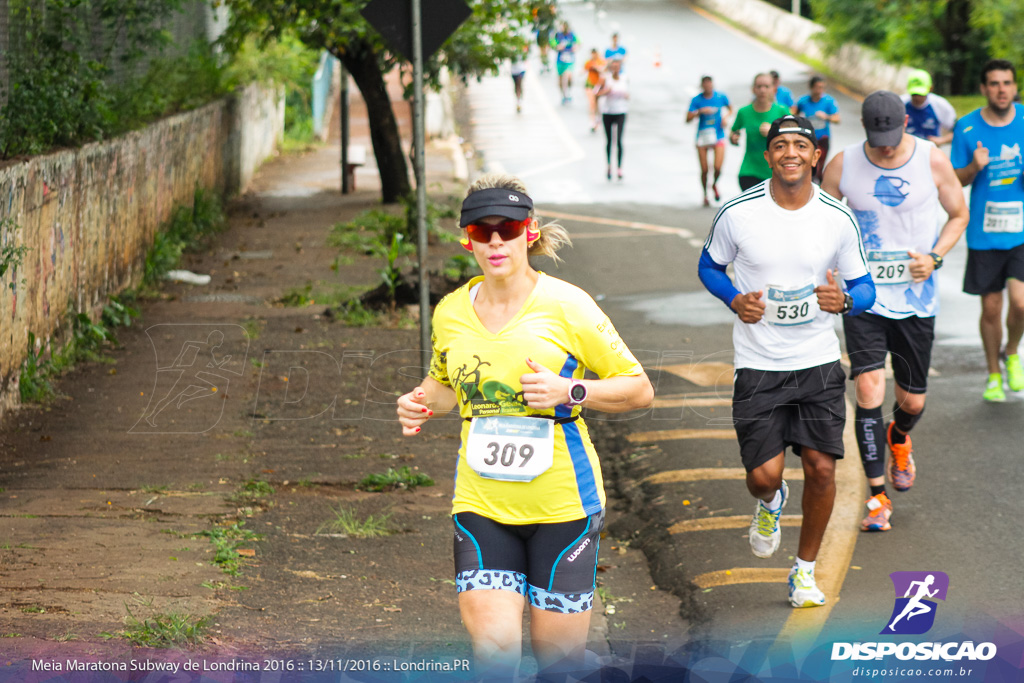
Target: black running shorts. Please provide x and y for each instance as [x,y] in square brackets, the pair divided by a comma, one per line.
[800,408]
[554,565]
[870,337]
[988,269]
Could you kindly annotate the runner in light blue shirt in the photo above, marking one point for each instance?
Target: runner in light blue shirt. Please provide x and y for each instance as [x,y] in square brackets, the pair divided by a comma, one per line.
[986,153]
[707,107]
[822,111]
[783,95]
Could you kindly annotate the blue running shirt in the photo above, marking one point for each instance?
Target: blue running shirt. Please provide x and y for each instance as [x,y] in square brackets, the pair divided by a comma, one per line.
[784,96]
[806,107]
[709,121]
[997,193]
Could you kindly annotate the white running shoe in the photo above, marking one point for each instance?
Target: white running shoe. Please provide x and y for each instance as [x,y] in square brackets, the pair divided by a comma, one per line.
[765,533]
[803,591]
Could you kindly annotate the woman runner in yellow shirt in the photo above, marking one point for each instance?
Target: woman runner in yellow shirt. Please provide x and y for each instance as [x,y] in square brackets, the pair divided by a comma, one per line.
[510,351]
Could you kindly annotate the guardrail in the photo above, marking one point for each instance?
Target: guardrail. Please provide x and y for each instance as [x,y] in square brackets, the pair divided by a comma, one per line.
[322,80]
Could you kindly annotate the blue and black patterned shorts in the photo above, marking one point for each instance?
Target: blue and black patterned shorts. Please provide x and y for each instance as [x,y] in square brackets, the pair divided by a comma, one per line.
[553,565]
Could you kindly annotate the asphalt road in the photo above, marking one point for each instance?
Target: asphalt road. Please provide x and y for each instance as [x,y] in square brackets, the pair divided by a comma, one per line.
[637,242]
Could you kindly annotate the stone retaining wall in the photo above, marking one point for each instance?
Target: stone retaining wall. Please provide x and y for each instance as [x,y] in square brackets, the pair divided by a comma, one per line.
[88,216]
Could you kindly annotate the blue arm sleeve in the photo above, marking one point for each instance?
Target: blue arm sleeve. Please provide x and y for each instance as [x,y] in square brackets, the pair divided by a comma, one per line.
[862,291]
[718,283]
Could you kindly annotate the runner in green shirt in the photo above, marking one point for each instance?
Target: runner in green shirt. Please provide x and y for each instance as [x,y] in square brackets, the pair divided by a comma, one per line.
[755,119]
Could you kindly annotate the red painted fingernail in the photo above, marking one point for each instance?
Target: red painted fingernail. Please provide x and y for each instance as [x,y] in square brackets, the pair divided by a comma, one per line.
[424,410]
[430,414]
[417,430]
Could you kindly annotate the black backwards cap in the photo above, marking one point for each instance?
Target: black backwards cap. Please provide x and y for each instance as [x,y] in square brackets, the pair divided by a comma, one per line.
[792,124]
[495,201]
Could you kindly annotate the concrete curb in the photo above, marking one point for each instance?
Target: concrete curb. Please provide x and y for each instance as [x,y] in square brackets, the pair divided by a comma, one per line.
[860,67]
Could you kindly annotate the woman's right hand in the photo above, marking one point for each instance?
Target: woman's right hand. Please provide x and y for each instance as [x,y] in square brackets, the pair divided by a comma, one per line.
[413,412]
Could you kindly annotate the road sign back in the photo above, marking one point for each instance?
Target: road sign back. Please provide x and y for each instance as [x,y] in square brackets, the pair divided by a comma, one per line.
[393,20]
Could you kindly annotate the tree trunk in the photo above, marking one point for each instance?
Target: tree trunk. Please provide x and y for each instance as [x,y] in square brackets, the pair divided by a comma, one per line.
[387,143]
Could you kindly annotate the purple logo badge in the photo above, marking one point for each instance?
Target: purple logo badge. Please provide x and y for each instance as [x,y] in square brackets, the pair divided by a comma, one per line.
[916,592]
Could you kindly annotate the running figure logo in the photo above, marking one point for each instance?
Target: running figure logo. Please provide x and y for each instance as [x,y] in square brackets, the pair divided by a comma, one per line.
[914,613]
[195,364]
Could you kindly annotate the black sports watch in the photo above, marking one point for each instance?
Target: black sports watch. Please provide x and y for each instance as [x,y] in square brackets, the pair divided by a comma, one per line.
[936,260]
[847,303]
[577,393]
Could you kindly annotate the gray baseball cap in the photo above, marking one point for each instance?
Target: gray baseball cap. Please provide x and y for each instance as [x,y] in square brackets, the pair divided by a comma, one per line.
[883,114]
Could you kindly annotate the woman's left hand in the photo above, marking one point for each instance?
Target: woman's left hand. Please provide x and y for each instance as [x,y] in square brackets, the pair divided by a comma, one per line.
[543,389]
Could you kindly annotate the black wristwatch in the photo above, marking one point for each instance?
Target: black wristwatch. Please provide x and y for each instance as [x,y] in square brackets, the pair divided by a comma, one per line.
[936,260]
[847,303]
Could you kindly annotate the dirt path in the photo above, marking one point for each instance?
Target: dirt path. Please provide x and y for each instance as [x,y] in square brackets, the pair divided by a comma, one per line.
[105,489]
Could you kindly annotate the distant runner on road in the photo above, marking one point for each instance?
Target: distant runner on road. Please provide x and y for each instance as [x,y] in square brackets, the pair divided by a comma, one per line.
[594,67]
[895,183]
[931,117]
[754,120]
[615,51]
[707,108]
[986,154]
[783,95]
[613,95]
[822,110]
[788,242]
[564,43]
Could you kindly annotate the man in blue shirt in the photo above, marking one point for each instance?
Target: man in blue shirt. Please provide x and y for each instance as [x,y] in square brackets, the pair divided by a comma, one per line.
[564,43]
[822,110]
[783,95]
[986,154]
[930,116]
[616,51]
[708,105]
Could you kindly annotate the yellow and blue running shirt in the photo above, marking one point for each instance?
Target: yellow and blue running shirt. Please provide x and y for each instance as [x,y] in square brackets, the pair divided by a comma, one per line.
[563,329]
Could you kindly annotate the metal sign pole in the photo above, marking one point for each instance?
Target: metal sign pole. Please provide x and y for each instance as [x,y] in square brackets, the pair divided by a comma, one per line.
[345,184]
[421,186]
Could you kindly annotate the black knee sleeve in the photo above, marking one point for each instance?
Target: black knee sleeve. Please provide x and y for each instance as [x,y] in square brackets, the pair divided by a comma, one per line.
[905,421]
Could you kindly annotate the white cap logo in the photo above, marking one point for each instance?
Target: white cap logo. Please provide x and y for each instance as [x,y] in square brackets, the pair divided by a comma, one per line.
[513,198]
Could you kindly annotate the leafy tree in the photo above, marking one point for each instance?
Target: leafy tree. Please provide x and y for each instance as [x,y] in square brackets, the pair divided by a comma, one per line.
[941,36]
[490,36]
[1003,20]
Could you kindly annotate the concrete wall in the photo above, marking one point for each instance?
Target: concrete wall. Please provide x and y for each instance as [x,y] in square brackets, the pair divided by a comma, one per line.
[856,66]
[88,215]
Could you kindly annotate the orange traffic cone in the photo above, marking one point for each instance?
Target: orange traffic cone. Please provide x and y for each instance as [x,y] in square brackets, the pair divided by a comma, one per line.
[657,59]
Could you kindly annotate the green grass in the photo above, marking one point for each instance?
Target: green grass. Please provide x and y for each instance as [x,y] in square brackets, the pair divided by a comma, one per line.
[154,489]
[252,328]
[965,104]
[346,522]
[34,609]
[354,314]
[320,293]
[226,542]
[163,630]
[86,341]
[218,585]
[402,478]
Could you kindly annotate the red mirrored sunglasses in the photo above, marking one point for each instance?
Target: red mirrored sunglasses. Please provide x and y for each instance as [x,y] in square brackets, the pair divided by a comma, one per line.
[507,230]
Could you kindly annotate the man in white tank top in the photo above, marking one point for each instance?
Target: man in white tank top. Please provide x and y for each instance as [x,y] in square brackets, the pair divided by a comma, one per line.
[894,183]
